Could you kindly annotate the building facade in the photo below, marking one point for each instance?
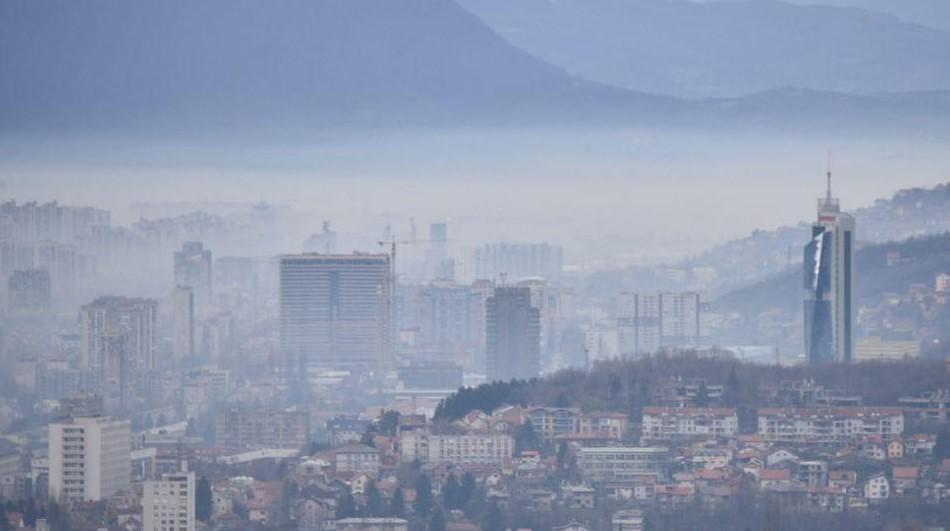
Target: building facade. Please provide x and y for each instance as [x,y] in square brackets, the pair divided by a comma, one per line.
[830,285]
[816,425]
[168,504]
[193,269]
[248,429]
[622,463]
[89,458]
[513,331]
[183,315]
[335,312]
[664,423]
[647,322]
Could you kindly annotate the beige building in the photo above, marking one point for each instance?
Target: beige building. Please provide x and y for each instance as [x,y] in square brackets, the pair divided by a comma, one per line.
[169,504]
[89,458]
[875,348]
[834,424]
[477,448]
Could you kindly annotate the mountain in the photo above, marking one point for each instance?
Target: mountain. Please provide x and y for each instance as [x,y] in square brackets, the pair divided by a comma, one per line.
[932,13]
[296,61]
[912,212]
[921,259]
[274,67]
[725,49]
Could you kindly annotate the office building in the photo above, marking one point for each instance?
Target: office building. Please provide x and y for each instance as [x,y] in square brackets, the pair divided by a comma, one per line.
[168,504]
[335,312]
[89,458]
[513,335]
[193,269]
[262,428]
[183,315]
[622,463]
[830,286]
[514,261]
[647,322]
[29,292]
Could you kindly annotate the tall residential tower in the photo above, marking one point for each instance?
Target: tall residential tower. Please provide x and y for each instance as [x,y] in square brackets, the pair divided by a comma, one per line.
[829,281]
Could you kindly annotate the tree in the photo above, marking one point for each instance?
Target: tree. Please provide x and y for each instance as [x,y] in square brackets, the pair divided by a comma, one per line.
[423,503]
[942,445]
[345,506]
[374,501]
[493,519]
[437,522]
[702,395]
[397,506]
[452,493]
[387,423]
[526,438]
[203,500]
[468,488]
[4,520]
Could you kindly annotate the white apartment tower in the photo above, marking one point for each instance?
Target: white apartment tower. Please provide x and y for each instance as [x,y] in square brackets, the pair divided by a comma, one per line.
[168,504]
[89,458]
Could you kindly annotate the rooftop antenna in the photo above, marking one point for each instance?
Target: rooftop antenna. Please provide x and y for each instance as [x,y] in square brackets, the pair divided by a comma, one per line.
[829,176]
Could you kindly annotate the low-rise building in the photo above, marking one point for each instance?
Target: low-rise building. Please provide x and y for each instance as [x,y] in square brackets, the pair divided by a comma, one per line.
[475,448]
[629,520]
[622,463]
[372,524]
[664,423]
[838,424]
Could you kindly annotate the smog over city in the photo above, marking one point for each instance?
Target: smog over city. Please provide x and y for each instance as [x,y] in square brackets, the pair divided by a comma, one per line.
[462,265]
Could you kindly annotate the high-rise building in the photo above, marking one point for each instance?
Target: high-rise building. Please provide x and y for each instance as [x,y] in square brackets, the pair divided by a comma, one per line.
[647,322]
[830,285]
[168,504]
[513,335]
[335,312]
[193,269]
[118,340]
[30,291]
[89,458]
[183,315]
[515,261]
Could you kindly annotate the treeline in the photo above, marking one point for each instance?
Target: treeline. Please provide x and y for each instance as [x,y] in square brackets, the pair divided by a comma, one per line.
[629,385]
[486,397]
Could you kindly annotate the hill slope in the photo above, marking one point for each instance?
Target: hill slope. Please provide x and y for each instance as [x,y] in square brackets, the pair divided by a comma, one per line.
[290,61]
[725,49]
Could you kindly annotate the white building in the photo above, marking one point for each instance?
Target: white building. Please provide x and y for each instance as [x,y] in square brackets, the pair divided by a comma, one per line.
[661,423]
[648,322]
[488,448]
[829,424]
[169,504]
[629,520]
[877,488]
[89,458]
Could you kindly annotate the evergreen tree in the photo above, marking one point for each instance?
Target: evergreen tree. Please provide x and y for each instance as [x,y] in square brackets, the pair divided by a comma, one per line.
[345,506]
[203,500]
[437,522]
[942,446]
[468,488]
[526,438]
[423,503]
[374,501]
[397,506]
[452,493]
[493,520]
[4,519]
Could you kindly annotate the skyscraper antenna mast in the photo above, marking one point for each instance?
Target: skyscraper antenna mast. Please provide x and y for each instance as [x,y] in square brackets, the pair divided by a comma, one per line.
[829,176]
